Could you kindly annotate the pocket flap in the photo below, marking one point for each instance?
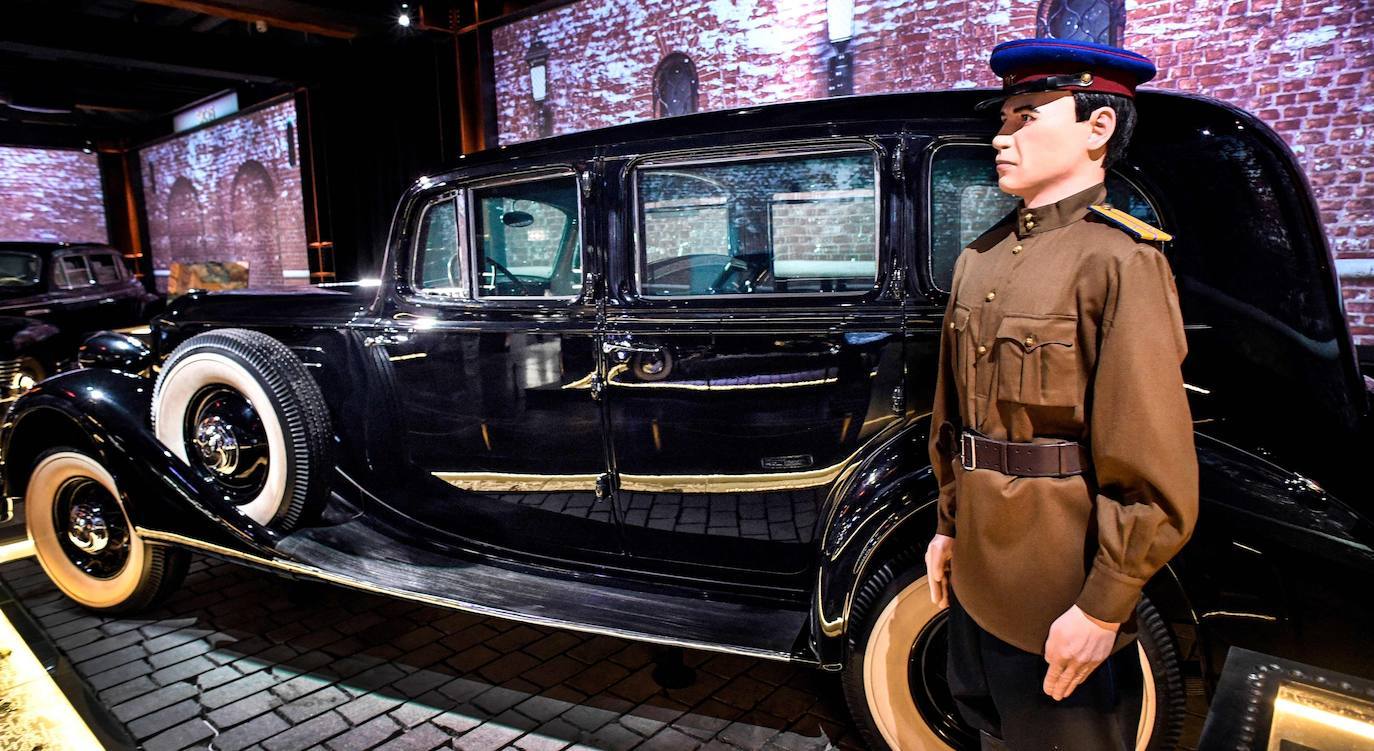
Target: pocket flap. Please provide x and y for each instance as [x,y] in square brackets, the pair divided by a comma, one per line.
[1030,332]
[959,317]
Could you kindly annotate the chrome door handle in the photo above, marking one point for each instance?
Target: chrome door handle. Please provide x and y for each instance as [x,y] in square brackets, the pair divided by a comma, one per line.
[382,340]
[626,345]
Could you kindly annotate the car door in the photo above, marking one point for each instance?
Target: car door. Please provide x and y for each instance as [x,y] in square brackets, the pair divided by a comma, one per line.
[120,302]
[487,355]
[753,351]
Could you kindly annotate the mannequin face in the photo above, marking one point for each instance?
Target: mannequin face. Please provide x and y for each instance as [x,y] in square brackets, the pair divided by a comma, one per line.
[1042,148]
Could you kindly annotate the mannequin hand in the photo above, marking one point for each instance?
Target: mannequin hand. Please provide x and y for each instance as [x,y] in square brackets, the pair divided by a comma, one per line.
[1077,644]
[938,555]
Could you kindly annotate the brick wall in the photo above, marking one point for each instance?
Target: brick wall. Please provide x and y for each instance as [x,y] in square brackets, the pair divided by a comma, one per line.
[1306,68]
[50,195]
[230,192]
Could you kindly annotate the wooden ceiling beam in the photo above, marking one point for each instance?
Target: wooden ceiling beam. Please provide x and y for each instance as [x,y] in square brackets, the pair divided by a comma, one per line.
[280,19]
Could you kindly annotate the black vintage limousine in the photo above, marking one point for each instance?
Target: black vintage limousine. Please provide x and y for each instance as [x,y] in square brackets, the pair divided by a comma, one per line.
[53,295]
[671,381]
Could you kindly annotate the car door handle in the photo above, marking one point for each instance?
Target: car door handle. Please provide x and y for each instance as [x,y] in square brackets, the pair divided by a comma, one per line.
[382,340]
[625,345]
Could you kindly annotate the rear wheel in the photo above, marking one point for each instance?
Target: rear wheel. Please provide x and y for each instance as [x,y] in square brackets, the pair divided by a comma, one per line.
[894,677]
[84,541]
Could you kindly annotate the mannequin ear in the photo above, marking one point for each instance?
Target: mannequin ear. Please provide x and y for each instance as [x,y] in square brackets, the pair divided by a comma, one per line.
[1102,124]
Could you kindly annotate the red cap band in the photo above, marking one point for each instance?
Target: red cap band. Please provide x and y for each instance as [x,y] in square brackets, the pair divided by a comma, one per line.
[1109,81]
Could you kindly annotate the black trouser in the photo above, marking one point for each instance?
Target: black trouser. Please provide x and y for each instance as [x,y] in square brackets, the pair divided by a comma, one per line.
[999,690]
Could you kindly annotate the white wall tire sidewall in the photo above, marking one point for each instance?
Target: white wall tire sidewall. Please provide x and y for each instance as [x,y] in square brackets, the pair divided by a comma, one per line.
[887,685]
[885,676]
[194,372]
[39,499]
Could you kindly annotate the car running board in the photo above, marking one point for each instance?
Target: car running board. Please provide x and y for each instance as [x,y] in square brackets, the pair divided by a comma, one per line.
[359,554]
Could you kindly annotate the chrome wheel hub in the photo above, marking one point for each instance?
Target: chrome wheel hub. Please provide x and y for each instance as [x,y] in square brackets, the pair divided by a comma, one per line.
[218,446]
[86,528]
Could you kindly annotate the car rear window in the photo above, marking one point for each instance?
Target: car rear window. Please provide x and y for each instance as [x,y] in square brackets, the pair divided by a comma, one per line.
[798,224]
[104,268]
[965,202]
[70,271]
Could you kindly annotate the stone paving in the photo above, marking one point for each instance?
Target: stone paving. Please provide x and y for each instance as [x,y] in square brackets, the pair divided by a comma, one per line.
[240,658]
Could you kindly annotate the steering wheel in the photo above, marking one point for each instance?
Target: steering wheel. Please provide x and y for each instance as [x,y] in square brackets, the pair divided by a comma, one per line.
[524,290]
[736,278]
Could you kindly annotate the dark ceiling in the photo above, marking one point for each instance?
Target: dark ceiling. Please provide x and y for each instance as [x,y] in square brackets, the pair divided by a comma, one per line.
[117,69]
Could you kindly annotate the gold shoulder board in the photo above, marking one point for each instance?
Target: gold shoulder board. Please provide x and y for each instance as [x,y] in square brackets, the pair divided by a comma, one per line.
[1136,228]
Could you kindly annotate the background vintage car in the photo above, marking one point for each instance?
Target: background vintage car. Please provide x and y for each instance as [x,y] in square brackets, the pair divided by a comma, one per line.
[672,381]
[54,294]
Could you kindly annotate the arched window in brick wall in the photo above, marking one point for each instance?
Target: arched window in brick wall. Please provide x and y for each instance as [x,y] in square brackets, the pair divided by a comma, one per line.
[1101,21]
[185,223]
[675,86]
[253,222]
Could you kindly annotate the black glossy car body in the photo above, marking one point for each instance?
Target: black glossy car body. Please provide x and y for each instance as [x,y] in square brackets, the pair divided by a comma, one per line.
[52,295]
[697,451]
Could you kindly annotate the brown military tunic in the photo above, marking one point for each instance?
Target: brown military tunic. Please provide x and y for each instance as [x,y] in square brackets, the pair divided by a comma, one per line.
[1062,325]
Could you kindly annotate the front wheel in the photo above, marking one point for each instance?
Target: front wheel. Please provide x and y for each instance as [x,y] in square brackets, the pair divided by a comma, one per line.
[83,539]
[894,677]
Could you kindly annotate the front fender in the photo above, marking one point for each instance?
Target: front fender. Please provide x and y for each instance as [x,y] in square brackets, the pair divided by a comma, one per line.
[888,497]
[106,413]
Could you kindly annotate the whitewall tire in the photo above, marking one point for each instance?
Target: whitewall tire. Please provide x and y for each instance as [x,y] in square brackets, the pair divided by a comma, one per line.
[84,541]
[240,408]
[894,679]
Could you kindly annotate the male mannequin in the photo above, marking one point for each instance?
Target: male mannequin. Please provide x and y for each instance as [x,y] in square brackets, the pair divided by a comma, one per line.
[1064,446]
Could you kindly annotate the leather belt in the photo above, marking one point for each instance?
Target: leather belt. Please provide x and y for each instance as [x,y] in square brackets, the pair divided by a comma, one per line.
[1022,459]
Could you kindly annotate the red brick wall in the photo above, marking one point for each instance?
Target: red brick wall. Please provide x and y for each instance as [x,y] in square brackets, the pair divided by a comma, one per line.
[50,195]
[230,192]
[1306,68]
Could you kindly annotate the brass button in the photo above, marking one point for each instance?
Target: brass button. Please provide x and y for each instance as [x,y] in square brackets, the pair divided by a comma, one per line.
[1030,340]
[982,349]
[990,296]
[1016,250]
[1030,223]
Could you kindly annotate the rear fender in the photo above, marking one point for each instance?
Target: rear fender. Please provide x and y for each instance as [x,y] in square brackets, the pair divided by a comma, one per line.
[107,413]
[888,498]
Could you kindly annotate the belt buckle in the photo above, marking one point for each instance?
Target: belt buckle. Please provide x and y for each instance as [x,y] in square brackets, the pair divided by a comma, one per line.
[967,449]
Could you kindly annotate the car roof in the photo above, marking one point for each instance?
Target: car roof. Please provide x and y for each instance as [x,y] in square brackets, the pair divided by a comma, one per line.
[950,107]
[47,248]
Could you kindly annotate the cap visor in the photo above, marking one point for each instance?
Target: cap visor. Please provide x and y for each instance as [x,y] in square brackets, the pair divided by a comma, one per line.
[988,104]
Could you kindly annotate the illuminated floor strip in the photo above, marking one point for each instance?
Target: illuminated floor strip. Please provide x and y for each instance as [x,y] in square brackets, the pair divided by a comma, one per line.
[33,713]
[15,550]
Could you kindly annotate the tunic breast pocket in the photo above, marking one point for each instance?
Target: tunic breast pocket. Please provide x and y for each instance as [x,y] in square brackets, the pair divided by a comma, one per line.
[1037,360]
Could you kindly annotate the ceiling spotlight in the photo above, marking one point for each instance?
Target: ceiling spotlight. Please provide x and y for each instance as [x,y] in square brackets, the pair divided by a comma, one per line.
[404,18]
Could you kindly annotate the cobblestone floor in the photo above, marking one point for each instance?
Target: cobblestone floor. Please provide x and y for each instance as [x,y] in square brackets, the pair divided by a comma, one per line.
[243,659]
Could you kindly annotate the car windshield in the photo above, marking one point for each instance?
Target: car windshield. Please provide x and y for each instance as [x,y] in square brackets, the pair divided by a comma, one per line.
[19,268]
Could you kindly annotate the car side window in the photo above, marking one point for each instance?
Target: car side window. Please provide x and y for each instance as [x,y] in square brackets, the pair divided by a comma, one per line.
[798,224]
[965,202]
[105,268]
[441,266]
[527,241]
[70,272]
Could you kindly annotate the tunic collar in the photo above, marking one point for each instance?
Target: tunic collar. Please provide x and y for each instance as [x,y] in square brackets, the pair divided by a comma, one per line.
[1058,214]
